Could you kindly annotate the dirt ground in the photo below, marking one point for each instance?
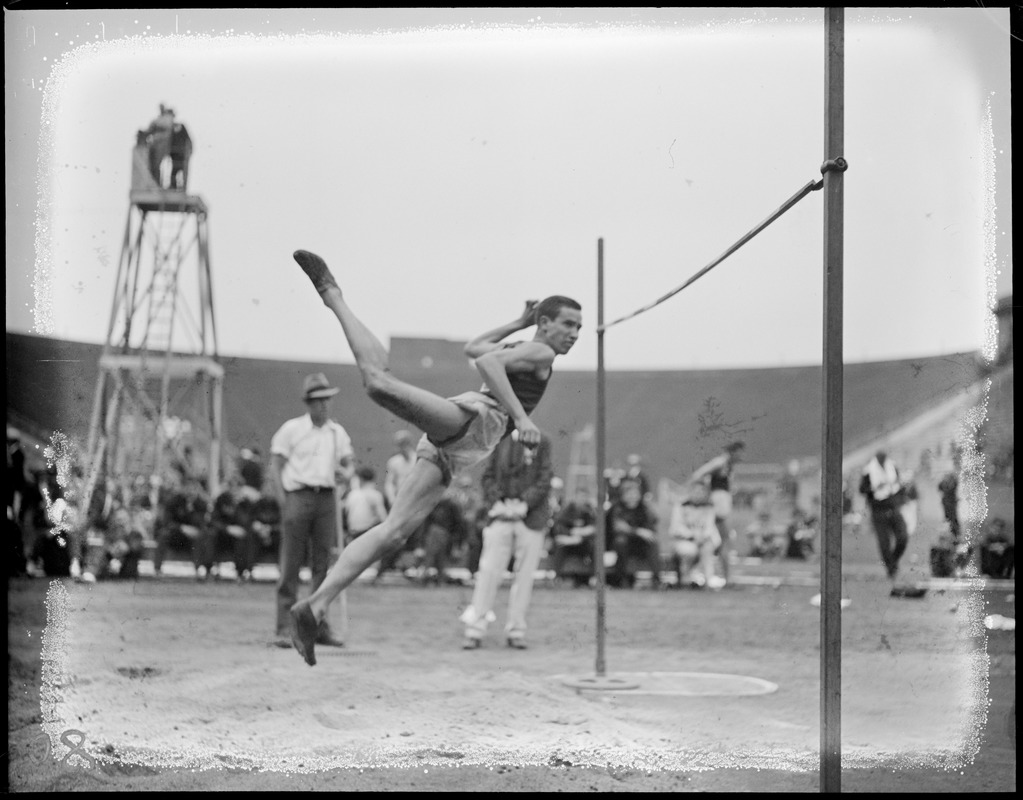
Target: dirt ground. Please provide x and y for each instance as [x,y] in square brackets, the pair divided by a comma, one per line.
[159,685]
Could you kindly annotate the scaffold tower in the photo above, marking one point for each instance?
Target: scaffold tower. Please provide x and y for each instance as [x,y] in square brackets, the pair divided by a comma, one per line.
[157,410]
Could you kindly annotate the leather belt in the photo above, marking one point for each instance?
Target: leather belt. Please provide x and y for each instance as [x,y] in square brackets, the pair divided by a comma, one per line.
[313,489]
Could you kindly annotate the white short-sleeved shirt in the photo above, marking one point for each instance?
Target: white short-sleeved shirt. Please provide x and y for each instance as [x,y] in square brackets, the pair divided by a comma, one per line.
[311,454]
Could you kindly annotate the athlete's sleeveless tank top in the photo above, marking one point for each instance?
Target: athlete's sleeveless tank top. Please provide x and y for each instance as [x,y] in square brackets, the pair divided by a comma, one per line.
[527,388]
[719,478]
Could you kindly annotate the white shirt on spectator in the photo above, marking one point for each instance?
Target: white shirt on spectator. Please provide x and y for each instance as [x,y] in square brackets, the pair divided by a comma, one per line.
[312,455]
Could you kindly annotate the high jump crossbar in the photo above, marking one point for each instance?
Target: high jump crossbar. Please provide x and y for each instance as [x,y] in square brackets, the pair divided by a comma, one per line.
[812,186]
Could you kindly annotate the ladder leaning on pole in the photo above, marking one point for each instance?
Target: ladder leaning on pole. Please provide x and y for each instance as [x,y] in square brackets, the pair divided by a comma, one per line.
[582,469]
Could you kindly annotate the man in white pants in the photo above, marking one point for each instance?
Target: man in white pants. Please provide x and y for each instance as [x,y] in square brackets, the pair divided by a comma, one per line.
[516,487]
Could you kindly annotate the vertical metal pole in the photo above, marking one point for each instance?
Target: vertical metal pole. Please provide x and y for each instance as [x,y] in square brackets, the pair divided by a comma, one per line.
[600,538]
[831,472]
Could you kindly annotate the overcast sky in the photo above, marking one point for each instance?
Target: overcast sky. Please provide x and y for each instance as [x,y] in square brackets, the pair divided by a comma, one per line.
[451,163]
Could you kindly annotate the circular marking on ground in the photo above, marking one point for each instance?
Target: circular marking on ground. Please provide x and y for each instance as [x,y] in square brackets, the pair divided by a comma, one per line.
[687,684]
[138,673]
[342,651]
[598,682]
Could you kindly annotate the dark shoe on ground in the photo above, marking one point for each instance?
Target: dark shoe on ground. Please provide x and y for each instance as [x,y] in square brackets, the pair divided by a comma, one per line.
[908,591]
[328,639]
[516,643]
[470,643]
[317,270]
[282,641]
[305,629]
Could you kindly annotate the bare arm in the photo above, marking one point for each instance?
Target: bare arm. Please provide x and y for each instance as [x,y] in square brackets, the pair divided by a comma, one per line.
[276,468]
[486,342]
[707,468]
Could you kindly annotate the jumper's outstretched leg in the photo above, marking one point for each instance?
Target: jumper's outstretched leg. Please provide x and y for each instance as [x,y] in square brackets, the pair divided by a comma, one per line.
[434,415]
[417,496]
[370,354]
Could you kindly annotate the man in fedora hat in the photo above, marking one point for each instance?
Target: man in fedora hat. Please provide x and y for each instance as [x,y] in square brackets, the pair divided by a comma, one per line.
[311,455]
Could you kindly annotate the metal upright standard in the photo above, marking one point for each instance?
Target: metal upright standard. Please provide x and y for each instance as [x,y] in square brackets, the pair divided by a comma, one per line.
[831,435]
[158,398]
[600,679]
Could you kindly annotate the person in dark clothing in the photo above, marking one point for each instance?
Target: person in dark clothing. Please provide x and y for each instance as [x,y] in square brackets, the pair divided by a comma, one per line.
[573,532]
[250,468]
[631,533]
[181,524]
[232,528]
[949,488]
[444,529]
[883,489]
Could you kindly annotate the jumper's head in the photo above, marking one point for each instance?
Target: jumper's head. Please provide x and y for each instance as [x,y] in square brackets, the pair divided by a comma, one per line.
[558,322]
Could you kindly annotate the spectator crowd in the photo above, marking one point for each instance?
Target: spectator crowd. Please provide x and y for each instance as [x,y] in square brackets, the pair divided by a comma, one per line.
[675,543]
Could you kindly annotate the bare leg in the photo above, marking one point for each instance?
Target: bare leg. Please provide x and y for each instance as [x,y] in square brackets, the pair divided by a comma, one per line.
[435,415]
[419,493]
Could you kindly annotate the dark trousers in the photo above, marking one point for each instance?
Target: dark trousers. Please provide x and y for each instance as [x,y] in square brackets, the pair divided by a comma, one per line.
[437,544]
[892,537]
[474,549]
[630,549]
[309,525]
[574,561]
[951,510]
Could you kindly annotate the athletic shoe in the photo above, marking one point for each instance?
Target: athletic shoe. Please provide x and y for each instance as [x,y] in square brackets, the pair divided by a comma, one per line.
[317,270]
[516,643]
[471,643]
[304,631]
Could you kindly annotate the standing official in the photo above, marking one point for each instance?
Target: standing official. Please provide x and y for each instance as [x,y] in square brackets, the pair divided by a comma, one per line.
[311,460]
[516,489]
[882,486]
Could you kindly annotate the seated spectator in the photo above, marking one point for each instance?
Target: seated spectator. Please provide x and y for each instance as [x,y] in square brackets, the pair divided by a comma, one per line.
[635,471]
[182,524]
[363,506]
[695,540]
[33,522]
[631,535]
[232,527]
[118,551]
[250,468]
[997,552]
[802,534]
[573,530]
[266,523]
[444,529]
[764,538]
